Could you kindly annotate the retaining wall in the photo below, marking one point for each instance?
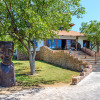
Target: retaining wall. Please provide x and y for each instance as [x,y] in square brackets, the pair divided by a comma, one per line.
[62,58]
[24,56]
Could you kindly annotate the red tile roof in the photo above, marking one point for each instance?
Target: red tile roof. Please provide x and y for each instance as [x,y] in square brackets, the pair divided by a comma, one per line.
[70,33]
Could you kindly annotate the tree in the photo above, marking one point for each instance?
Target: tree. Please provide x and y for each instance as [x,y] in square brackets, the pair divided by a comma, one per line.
[28,20]
[92,32]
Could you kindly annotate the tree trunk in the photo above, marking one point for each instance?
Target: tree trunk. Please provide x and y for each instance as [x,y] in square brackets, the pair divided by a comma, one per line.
[32,57]
[32,64]
[97,48]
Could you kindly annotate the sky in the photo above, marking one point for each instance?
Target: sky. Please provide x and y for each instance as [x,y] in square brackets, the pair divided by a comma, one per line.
[92,8]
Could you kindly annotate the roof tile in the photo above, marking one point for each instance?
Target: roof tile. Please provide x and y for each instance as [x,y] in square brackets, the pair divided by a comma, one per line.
[70,33]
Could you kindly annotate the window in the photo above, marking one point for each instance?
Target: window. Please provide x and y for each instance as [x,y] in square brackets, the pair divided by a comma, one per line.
[48,43]
[36,44]
[58,44]
[54,44]
[73,43]
[68,43]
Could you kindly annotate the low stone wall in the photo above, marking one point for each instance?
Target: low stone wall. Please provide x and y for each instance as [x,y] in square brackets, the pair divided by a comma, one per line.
[90,52]
[37,57]
[86,71]
[24,56]
[62,58]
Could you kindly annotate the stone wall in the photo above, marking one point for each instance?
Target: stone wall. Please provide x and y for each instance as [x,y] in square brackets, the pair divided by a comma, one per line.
[37,57]
[90,52]
[62,58]
[24,56]
[86,71]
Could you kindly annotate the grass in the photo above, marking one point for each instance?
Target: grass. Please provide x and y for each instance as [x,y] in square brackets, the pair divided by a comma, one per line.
[45,74]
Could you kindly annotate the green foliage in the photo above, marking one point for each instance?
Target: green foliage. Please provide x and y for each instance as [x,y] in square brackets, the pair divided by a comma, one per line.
[36,19]
[92,31]
[46,74]
[28,20]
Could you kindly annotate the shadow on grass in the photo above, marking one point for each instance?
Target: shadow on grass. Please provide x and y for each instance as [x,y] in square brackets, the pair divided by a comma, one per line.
[43,81]
[58,66]
[19,60]
[17,70]
[20,75]
[37,70]
[36,82]
[18,63]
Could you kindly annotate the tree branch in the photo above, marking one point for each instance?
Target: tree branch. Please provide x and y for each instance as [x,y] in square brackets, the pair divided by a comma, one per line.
[19,39]
[7,8]
[42,8]
[2,24]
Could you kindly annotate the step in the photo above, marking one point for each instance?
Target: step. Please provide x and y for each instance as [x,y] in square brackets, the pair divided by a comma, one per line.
[90,57]
[94,62]
[96,70]
[91,60]
[80,54]
[95,65]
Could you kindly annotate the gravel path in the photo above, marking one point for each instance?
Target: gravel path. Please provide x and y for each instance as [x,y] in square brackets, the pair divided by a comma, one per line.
[88,89]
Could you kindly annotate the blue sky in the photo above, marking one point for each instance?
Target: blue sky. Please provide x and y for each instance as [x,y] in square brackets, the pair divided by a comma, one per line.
[92,8]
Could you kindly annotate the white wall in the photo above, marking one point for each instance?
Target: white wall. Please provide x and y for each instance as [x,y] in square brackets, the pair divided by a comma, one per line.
[67,37]
[15,53]
[80,40]
[39,44]
[95,48]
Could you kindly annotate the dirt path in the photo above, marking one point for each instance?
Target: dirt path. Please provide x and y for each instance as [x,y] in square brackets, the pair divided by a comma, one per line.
[88,89]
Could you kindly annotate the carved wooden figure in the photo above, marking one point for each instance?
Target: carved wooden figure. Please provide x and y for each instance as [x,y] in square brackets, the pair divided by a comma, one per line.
[7,74]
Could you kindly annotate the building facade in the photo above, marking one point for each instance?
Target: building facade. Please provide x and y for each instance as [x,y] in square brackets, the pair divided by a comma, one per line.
[66,40]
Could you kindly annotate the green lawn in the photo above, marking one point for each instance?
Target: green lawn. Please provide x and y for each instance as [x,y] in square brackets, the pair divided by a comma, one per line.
[45,73]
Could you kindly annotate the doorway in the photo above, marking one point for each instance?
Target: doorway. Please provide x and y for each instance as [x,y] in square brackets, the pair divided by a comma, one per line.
[86,43]
[63,44]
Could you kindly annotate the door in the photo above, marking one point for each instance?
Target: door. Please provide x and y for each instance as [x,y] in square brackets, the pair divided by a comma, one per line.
[86,43]
[63,44]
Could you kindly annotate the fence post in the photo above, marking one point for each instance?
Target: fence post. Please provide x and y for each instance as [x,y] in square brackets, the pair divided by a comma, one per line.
[85,52]
[95,57]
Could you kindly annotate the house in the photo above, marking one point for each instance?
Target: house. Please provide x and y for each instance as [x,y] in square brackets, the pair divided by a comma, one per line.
[73,39]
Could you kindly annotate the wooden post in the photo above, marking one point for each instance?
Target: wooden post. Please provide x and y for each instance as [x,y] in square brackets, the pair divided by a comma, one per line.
[85,52]
[76,42]
[95,57]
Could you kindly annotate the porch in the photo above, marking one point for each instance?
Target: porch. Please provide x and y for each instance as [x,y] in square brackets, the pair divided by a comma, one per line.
[61,44]
[66,44]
